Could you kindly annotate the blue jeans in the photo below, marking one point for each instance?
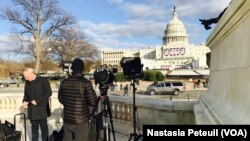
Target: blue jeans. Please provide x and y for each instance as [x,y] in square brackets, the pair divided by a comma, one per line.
[42,123]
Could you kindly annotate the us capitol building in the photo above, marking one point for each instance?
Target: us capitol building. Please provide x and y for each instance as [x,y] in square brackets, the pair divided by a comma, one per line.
[175,53]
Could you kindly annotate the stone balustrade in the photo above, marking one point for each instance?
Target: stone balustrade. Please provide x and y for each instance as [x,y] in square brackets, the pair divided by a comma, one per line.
[10,104]
[148,111]
[122,107]
[121,111]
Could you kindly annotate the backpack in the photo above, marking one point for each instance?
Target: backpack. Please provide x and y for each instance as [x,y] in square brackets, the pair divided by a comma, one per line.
[56,135]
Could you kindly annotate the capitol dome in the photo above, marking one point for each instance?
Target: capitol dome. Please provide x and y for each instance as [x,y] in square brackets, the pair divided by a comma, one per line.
[175,32]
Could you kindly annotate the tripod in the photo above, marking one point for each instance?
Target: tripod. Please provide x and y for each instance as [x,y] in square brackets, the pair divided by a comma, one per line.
[136,136]
[105,111]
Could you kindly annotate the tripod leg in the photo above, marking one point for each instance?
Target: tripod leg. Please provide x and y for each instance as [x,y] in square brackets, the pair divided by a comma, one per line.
[130,137]
[109,131]
[138,137]
[106,133]
[135,136]
[97,135]
[101,135]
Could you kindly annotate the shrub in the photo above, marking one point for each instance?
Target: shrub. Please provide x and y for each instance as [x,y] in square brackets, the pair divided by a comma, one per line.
[152,75]
[120,77]
[159,76]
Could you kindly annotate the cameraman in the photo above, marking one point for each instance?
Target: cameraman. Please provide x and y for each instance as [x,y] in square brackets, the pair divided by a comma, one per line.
[76,93]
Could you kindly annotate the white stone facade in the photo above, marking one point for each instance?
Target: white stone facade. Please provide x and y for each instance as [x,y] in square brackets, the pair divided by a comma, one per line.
[113,58]
[227,99]
[175,52]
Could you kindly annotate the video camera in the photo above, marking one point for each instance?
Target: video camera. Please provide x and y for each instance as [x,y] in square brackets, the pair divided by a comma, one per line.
[103,75]
[132,67]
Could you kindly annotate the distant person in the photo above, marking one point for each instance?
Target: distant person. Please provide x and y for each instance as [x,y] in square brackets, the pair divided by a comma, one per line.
[77,95]
[112,86]
[207,82]
[125,89]
[204,84]
[121,87]
[198,83]
[194,84]
[138,82]
[116,86]
[37,91]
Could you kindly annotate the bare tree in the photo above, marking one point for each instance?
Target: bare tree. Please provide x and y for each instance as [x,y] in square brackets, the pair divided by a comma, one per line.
[10,68]
[38,19]
[69,43]
[89,65]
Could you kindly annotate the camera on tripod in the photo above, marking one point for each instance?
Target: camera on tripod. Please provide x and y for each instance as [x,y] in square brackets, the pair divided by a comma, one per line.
[104,77]
[132,67]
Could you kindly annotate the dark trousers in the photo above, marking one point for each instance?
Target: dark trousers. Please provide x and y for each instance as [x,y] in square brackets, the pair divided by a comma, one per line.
[42,123]
[80,132]
[125,93]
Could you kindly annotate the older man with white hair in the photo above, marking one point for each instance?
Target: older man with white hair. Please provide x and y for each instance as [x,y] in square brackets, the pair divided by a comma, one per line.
[37,91]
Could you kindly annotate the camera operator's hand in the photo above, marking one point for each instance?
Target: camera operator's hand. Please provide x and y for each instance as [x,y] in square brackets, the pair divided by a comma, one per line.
[101,97]
[25,104]
[34,102]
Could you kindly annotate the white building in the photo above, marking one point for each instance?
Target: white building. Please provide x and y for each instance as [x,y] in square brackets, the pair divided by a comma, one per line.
[175,53]
[113,58]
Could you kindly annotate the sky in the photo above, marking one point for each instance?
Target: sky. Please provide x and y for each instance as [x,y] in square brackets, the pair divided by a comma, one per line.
[129,24]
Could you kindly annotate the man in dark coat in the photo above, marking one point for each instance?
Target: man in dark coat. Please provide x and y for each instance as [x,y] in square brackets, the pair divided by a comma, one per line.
[37,91]
[77,95]
[125,90]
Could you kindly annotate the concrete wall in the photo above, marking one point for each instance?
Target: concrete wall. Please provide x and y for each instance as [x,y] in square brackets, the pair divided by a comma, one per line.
[228,99]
